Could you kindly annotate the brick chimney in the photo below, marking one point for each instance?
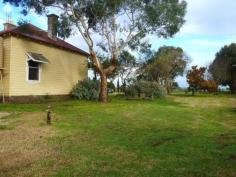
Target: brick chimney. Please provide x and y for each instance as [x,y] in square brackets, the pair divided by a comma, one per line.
[8,26]
[52,26]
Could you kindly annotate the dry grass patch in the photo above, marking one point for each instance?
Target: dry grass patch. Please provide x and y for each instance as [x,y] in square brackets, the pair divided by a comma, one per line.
[203,102]
[3,122]
[3,114]
[24,145]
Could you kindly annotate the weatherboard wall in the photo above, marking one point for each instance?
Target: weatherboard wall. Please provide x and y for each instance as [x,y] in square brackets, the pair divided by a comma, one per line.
[58,77]
[5,63]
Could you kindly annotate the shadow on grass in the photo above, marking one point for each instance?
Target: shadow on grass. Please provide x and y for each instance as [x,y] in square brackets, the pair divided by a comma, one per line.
[167,101]
[233,110]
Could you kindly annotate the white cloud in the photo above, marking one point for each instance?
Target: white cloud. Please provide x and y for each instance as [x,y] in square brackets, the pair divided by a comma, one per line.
[210,17]
[78,41]
[2,21]
[7,8]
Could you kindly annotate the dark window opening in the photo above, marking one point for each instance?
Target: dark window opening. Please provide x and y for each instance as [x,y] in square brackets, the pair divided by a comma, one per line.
[33,70]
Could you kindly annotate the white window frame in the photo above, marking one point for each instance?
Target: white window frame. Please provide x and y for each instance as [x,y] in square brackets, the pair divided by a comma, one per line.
[27,72]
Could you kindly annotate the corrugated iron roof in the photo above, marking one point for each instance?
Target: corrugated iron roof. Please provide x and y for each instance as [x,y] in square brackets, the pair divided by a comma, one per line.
[34,33]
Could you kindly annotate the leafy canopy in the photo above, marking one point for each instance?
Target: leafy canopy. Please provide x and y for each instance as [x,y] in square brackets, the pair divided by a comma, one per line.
[134,18]
[167,63]
[126,65]
[195,77]
[112,26]
[222,68]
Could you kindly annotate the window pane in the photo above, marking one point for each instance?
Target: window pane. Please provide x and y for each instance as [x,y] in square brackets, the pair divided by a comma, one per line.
[33,63]
[33,73]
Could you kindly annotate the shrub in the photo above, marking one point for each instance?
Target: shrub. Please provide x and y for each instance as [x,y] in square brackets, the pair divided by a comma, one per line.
[146,88]
[210,86]
[86,90]
[132,91]
[111,87]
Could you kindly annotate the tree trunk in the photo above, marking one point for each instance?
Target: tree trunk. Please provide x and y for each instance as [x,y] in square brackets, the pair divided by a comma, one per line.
[104,73]
[193,92]
[232,90]
[233,87]
[103,96]
[95,75]
[167,85]
[118,86]
[167,90]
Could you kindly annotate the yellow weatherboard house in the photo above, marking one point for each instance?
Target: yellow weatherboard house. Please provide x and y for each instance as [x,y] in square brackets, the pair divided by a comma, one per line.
[34,63]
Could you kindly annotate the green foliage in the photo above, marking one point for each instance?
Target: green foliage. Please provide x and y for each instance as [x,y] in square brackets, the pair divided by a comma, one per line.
[175,85]
[22,22]
[105,19]
[162,18]
[111,86]
[149,89]
[166,62]
[6,127]
[126,64]
[164,66]
[132,91]
[64,27]
[86,90]
[222,70]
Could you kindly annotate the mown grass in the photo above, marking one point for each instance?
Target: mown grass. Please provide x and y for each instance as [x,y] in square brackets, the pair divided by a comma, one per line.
[180,136]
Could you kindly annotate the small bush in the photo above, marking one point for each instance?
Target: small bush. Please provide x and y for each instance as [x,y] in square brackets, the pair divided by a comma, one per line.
[146,88]
[132,91]
[210,86]
[111,87]
[86,90]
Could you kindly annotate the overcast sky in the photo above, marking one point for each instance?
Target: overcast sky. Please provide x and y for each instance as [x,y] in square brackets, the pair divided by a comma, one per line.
[210,24]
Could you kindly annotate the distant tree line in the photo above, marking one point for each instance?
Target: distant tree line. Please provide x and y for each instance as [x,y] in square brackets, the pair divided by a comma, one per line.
[159,69]
[222,71]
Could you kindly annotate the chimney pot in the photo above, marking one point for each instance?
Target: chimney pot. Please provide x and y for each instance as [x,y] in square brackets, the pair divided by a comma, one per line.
[52,26]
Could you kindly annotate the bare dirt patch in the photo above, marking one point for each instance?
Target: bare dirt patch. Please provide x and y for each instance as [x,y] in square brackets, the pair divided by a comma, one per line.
[232,157]
[24,145]
[226,140]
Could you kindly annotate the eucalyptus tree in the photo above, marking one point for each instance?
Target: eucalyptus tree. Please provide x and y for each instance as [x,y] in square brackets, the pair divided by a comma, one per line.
[111,25]
[126,66]
[164,66]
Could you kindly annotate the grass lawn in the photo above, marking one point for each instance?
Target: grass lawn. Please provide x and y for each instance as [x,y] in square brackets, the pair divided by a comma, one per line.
[180,136]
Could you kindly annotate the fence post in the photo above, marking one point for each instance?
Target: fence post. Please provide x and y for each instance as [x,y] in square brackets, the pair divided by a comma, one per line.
[49,117]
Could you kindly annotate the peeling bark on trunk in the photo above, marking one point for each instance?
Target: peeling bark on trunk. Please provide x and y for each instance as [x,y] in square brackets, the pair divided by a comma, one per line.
[103,96]
[104,73]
